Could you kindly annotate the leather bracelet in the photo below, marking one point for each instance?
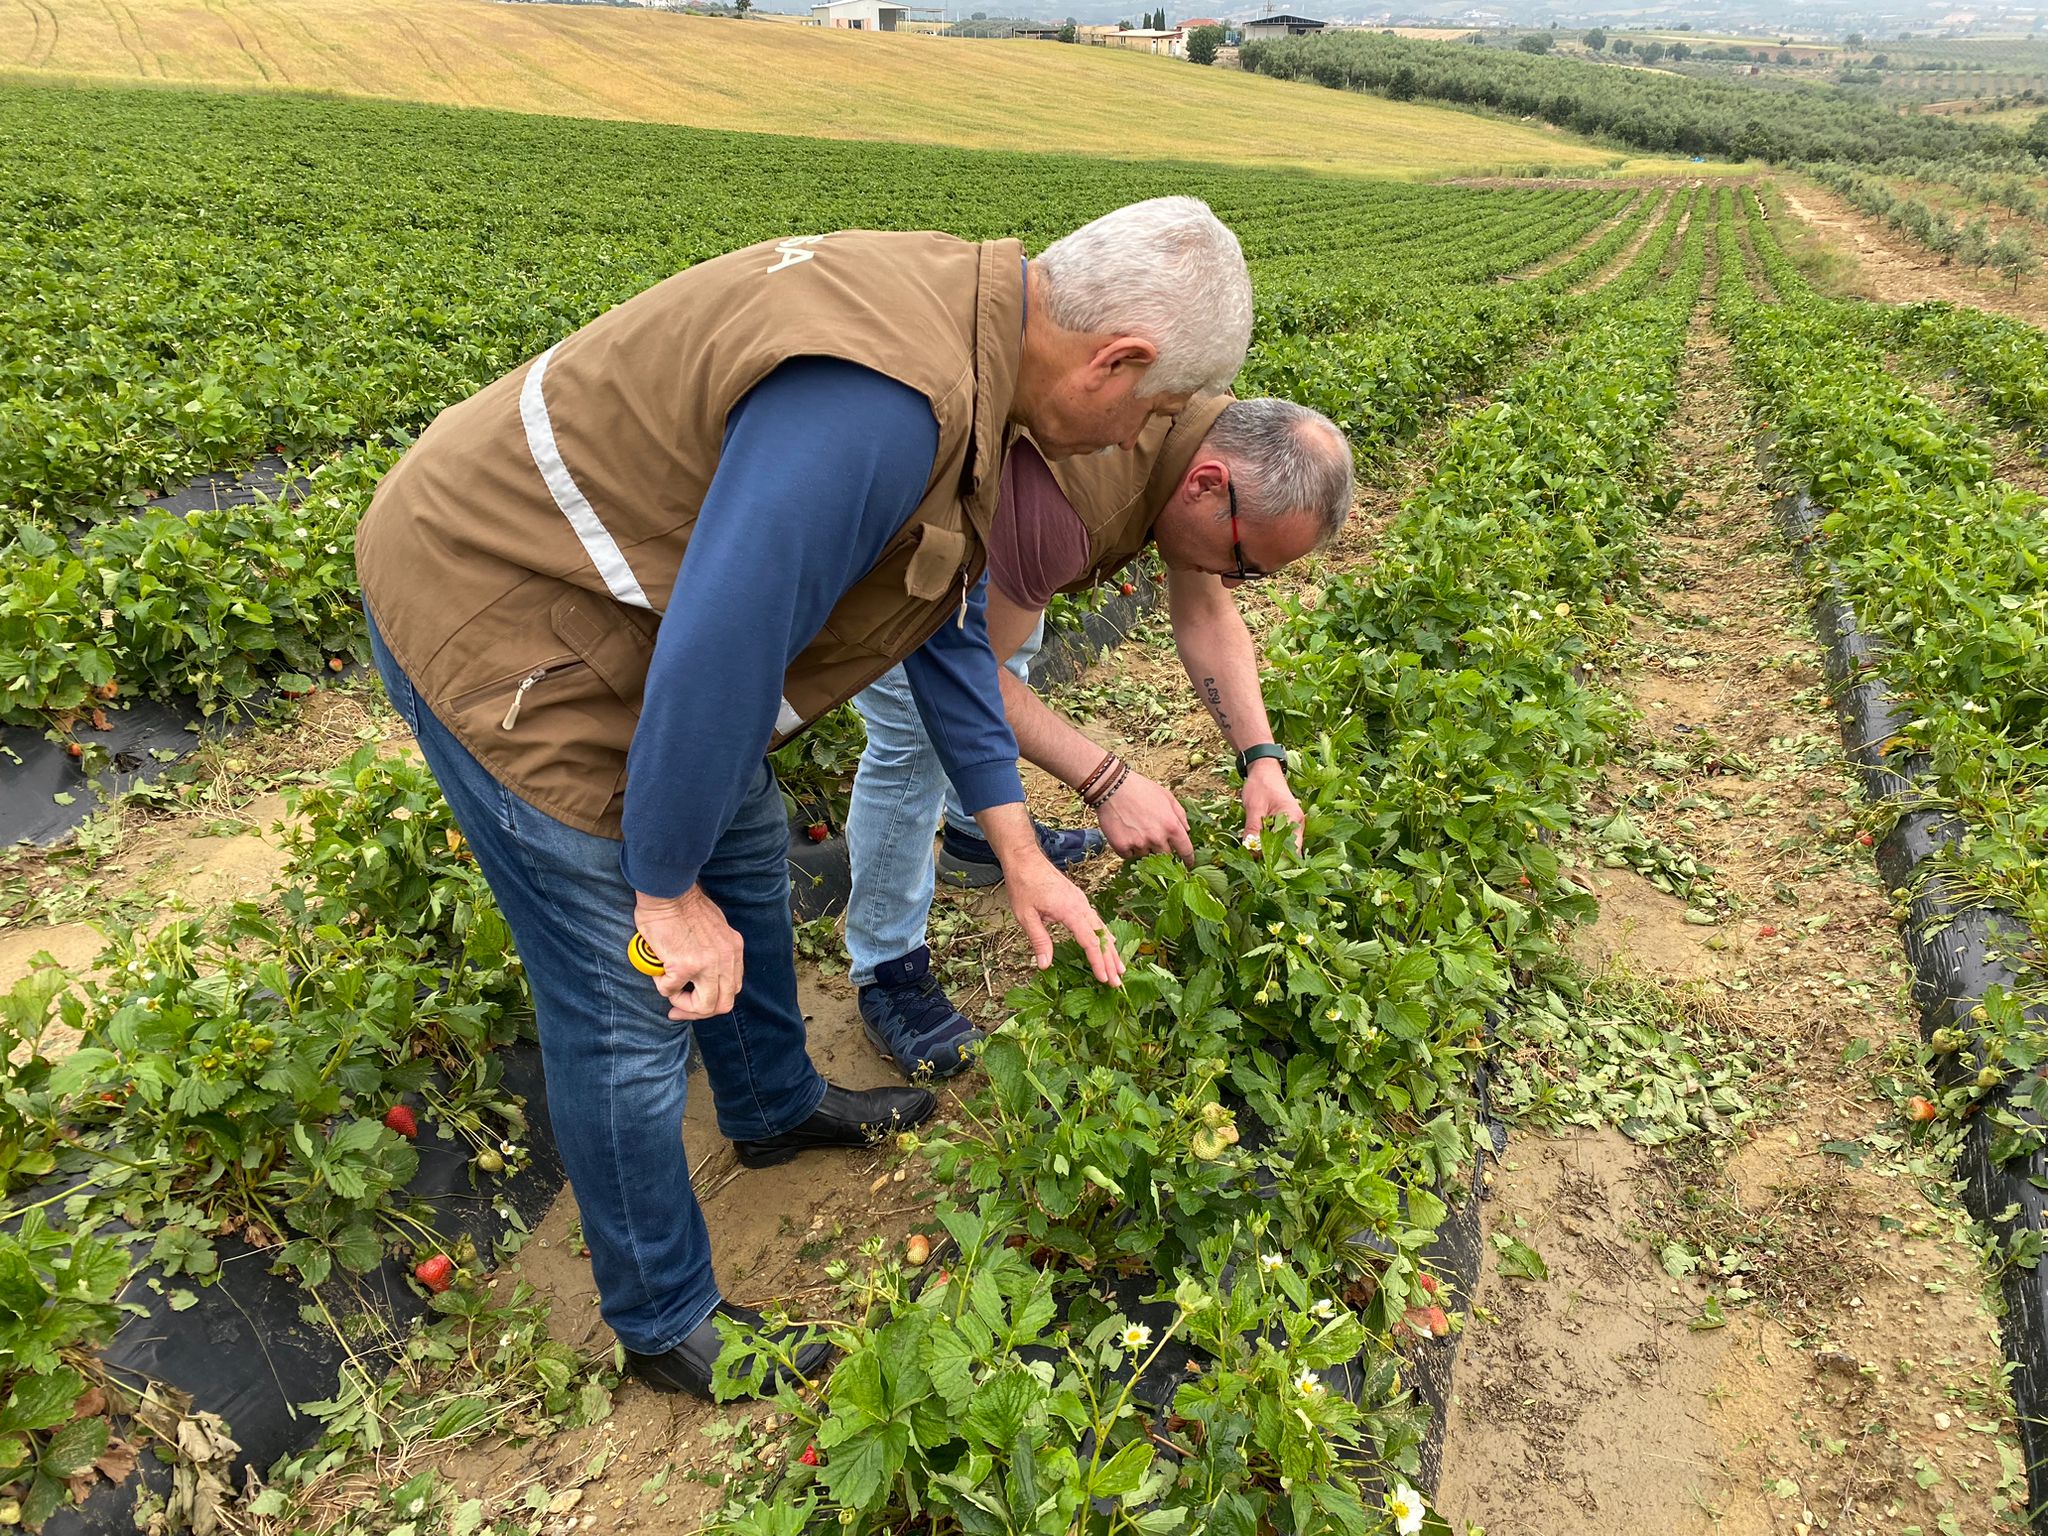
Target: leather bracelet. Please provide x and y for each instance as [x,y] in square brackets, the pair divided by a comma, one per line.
[1251,755]
[1102,796]
[1102,772]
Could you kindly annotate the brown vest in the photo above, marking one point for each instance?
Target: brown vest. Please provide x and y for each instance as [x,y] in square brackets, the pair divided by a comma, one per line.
[518,558]
[1119,496]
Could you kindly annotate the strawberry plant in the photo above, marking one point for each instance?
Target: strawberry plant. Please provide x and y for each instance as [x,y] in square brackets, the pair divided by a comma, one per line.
[57,1304]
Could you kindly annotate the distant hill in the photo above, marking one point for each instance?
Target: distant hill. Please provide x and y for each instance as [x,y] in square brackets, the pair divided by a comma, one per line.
[604,62]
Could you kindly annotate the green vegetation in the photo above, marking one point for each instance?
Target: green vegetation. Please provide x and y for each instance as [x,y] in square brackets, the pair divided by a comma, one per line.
[1337,999]
[364,274]
[1646,109]
[1941,561]
[245,1073]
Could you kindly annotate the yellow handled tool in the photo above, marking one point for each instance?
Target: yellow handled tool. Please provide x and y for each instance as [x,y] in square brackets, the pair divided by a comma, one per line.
[644,959]
[647,962]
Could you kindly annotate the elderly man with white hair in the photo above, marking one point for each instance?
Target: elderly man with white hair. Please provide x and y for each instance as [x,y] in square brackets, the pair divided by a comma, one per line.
[1228,492]
[603,588]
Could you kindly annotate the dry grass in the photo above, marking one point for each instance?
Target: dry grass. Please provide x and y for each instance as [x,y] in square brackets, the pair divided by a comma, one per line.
[590,61]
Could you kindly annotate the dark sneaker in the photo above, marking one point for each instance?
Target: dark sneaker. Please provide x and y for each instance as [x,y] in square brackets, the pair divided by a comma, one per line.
[967,860]
[907,1016]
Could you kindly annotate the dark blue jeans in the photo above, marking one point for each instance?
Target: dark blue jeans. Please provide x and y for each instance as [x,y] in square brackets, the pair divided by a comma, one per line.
[616,1063]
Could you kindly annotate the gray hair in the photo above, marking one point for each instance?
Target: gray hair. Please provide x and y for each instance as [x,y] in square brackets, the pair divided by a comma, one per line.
[1168,270]
[1286,461]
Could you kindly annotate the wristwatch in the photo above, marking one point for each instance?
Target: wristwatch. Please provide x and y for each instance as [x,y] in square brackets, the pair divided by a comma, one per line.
[1251,755]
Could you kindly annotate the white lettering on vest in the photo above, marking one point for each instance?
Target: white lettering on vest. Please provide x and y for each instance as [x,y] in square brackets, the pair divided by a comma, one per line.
[793,251]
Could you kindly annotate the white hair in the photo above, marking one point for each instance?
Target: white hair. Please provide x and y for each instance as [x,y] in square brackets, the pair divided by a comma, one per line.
[1286,461]
[1166,269]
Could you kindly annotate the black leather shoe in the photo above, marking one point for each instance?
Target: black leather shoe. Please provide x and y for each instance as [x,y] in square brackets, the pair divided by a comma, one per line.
[687,1367]
[845,1117]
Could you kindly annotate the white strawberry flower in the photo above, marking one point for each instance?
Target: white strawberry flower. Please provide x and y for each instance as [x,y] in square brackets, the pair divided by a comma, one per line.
[1137,1337]
[1406,1506]
[1270,1262]
[1309,1385]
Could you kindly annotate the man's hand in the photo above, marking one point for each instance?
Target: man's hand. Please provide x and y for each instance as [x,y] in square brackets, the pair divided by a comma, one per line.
[1266,795]
[1145,817]
[1041,896]
[701,956]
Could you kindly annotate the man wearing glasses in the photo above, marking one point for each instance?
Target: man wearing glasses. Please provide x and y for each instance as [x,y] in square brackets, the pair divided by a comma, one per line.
[1229,491]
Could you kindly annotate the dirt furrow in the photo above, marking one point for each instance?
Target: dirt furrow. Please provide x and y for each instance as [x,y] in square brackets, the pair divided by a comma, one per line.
[1636,242]
[1846,1375]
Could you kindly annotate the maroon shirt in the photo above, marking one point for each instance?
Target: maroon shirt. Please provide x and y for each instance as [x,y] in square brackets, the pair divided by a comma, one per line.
[1037,543]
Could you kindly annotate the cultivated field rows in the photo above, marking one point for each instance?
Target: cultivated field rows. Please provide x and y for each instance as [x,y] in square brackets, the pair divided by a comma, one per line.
[1554,677]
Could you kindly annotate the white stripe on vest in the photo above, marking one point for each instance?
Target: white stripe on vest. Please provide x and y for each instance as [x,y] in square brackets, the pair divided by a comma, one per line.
[597,541]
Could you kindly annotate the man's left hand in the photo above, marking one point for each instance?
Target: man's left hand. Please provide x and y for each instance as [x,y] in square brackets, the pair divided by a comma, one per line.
[1266,795]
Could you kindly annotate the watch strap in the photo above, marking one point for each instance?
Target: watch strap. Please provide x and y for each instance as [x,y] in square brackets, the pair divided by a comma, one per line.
[1251,755]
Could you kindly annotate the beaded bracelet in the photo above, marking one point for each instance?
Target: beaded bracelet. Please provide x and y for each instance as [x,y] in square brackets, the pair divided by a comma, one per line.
[1102,796]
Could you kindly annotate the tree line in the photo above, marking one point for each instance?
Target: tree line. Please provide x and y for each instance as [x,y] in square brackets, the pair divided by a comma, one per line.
[1657,112]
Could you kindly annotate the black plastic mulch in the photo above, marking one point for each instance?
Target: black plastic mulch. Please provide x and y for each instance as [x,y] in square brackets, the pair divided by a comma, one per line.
[1956,955]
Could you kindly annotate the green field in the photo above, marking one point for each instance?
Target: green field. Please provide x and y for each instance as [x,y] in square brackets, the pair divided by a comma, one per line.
[605,62]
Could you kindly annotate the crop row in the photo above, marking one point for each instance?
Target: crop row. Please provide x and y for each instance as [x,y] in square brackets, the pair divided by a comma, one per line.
[234,1075]
[1381,384]
[261,1073]
[198,280]
[1260,1125]
[2003,361]
[354,275]
[1941,561]
[1967,242]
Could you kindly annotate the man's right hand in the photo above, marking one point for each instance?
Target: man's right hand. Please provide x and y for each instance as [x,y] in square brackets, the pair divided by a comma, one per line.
[702,957]
[1145,817]
[1041,896]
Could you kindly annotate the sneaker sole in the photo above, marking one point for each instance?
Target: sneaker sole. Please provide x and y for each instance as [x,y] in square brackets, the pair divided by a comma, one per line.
[969,877]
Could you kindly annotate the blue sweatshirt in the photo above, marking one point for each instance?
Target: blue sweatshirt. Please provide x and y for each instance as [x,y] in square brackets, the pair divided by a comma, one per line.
[822,464]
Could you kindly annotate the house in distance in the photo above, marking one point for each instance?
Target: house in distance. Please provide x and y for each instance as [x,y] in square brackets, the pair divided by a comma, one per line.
[1280,25]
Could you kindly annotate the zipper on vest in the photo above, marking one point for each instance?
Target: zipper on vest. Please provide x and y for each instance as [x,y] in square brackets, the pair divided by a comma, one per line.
[961,622]
[519,694]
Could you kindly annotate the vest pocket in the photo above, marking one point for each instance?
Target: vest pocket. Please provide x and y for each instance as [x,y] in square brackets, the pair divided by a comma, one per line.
[610,642]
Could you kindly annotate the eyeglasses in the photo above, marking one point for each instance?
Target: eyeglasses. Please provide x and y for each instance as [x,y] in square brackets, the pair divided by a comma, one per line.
[1243,571]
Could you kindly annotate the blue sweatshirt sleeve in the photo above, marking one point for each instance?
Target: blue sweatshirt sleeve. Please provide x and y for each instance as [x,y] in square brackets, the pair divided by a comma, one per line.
[822,464]
[957,684]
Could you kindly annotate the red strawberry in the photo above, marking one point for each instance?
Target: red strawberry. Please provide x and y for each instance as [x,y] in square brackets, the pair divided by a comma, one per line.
[1429,1283]
[1865,839]
[400,1119]
[817,831]
[436,1274]
[1128,588]
[335,663]
[809,1457]
[1767,932]
[1919,1110]
[73,749]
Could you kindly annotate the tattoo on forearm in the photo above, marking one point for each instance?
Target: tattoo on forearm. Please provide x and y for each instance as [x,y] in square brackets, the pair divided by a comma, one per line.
[1213,697]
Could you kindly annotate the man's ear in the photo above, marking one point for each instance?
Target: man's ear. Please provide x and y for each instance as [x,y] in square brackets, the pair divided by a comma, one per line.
[1119,353]
[1205,477]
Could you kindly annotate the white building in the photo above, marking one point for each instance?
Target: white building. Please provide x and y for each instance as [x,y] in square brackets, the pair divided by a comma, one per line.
[1281,25]
[860,15]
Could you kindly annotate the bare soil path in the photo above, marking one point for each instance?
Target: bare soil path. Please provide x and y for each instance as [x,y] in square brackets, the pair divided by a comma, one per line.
[1857,1389]
[1872,261]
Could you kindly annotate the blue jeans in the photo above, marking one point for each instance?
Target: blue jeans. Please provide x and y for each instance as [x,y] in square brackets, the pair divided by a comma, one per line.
[616,1064]
[897,795]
